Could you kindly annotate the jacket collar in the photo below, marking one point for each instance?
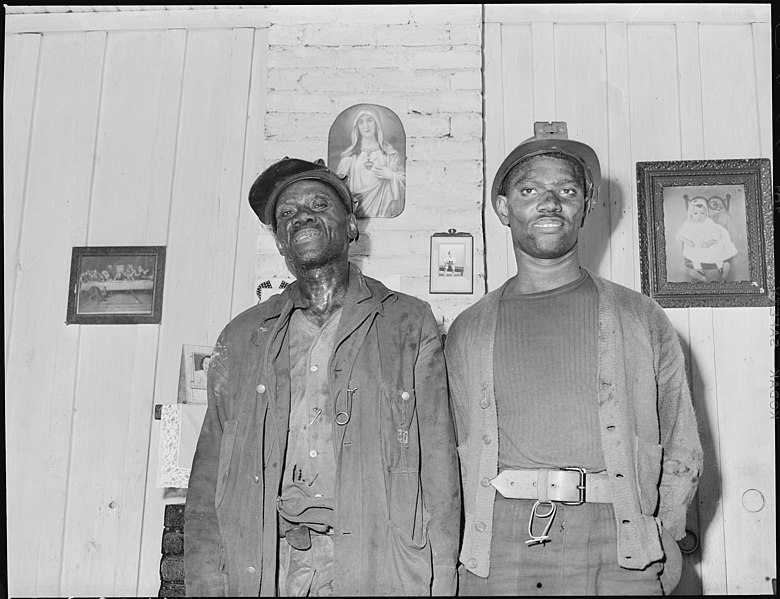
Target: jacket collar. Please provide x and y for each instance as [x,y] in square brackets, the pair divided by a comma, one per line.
[364,295]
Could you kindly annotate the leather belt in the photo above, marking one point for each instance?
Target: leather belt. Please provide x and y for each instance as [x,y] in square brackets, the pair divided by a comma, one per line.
[570,486]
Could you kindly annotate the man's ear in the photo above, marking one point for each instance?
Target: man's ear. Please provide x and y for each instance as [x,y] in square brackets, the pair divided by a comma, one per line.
[585,211]
[279,245]
[352,228]
[502,209]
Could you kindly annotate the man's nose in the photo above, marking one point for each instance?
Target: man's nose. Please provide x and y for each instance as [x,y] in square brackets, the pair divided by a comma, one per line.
[549,201]
[303,215]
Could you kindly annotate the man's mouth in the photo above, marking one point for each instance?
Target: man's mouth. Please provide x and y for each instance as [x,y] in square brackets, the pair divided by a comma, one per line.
[305,235]
[549,223]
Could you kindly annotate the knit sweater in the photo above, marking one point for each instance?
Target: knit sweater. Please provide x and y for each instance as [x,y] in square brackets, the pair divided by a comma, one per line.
[648,428]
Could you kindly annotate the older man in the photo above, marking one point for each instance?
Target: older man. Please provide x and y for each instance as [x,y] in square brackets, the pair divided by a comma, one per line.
[578,442]
[326,463]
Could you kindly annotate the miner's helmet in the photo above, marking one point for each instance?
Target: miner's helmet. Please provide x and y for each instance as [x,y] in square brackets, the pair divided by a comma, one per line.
[552,137]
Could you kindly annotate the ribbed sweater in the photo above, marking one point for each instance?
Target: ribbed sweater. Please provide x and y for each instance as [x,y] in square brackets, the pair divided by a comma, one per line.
[546,373]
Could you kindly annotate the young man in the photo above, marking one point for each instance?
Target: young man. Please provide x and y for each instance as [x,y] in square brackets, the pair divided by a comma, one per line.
[578,442]
[326,463]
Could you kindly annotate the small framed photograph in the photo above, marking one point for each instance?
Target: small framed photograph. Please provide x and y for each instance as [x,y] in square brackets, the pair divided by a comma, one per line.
[193,373]
[705,232]
[452,262]
[116,285]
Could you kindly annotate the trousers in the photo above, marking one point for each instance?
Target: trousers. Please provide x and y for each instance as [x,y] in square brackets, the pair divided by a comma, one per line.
[306,573]
[580,558]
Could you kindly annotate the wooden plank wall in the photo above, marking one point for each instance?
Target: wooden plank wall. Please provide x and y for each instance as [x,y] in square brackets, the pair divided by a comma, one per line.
[115,137]
[650,83]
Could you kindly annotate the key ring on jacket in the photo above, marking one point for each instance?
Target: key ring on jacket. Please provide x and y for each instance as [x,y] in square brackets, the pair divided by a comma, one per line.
[343,417]
[544,537]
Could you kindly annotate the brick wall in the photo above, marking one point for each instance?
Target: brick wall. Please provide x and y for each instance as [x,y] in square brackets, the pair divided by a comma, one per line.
[422,62]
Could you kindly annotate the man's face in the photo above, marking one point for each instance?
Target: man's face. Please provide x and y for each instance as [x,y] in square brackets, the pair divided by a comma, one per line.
[543,208]
[313,227]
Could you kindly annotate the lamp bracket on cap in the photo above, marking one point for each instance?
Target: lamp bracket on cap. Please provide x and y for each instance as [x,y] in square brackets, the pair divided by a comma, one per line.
[555,129]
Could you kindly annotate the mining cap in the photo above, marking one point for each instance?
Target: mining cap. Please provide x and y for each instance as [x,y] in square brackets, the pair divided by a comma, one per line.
[552,137]
[272,181]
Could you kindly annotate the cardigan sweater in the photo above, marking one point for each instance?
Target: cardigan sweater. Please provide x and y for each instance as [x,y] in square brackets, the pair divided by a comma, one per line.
[647,425]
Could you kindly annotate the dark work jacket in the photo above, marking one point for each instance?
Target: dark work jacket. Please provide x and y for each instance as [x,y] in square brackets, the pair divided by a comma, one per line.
[397,493]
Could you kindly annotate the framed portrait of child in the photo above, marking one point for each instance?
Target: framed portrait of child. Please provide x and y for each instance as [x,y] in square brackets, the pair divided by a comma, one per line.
[705,232]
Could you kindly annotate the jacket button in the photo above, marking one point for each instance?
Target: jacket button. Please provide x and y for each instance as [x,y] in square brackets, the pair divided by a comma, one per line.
[405,395]
[480,526]
[261,388]
[485,482]
[486,439]
[250,570]
[472,563]
[484,404]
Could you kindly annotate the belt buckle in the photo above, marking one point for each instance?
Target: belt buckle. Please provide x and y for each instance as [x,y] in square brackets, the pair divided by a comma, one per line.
[580,486]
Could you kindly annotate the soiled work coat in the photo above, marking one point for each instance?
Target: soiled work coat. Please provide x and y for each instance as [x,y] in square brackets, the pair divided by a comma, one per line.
[397,498]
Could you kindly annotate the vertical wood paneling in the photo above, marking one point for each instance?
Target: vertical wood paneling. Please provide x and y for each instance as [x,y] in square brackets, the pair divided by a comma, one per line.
[709,496]
[544,64]
[129,206]
[21,71]
[581,101]
[741,344]
[205,196]
[762,40]
[730,125]
[137,138]
[108,465]
[205,211]
[517,77]
[655,114]
[248,225]
[620,185]
[689,77]
[497,249]
[42,357]
[728,78]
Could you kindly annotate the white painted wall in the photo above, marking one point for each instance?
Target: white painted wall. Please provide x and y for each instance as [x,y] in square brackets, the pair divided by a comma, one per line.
[137,135]
[422,62]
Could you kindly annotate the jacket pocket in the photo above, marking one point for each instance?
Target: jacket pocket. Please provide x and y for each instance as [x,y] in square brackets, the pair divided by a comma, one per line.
[406,566]
[397,412]
[648,461]
[225,455]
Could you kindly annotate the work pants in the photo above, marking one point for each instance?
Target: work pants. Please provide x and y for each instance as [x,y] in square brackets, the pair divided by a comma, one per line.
[580,558]
[306,573]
